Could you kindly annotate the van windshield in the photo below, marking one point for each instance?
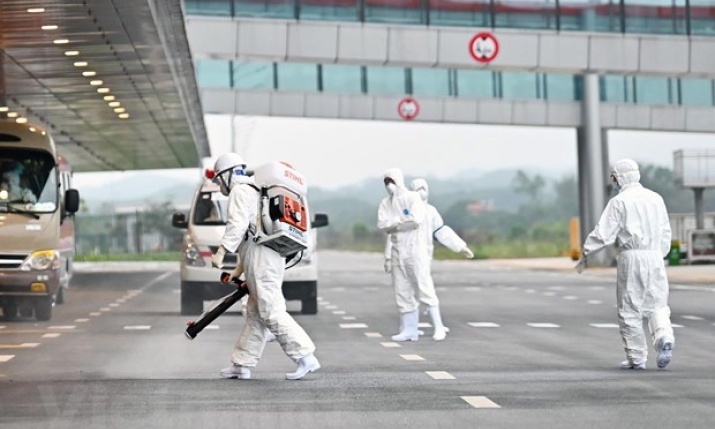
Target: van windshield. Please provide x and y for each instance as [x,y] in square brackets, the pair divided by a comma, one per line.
[210,209]
[28,180]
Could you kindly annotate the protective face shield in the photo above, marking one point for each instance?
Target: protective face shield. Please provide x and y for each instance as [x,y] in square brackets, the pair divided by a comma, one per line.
[227,166]
[420,186]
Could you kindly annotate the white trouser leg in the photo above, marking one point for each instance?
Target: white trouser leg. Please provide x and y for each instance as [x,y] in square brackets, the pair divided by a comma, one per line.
[404,290]
[630,292]
[251,341]
[660,326]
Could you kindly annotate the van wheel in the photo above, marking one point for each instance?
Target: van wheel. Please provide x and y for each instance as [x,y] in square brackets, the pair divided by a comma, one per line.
[60,298]
[43,309]
[309,305]
[192,303]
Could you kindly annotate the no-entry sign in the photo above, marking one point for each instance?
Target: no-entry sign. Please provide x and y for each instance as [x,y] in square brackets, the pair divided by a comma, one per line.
[408,108]
[484,47]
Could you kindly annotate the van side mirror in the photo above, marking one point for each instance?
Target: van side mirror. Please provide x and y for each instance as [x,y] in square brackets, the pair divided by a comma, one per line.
[178,220]
[71,201]
[321,220]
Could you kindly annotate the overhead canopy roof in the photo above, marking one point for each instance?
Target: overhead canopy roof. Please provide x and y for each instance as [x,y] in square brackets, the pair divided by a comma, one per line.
[136,48]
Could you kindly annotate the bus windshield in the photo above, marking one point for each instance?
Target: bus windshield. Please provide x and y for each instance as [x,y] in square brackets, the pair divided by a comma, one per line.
[211,208]
[28,180]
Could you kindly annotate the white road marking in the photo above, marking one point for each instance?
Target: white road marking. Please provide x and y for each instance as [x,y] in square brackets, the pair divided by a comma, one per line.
[349,317]
[549,293]
[137,328]
[440,375]
[331,307]
[105,309]
[337,289]
[339,312]
[570,297]
[51,335]
[95,314]
[390,345]
[320,298]
[29,345]
[424,325]
[604,325]
[412,357]
[675,325]
[212,327]
[5,358]
[530,291]
[483,324]
[2,327]
[594,302]
[353,325]
[66,328]
[19,346]
[693,318]
[324,303]
[472,288]
[81,320]
[114,304]
[176,291]
[480,402]
[543,325]
[441,289]
[373,334]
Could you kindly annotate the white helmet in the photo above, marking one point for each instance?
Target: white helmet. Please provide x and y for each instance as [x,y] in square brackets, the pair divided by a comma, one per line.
[228,165]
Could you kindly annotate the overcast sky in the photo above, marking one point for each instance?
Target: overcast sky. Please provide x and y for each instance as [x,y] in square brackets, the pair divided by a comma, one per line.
[332,153]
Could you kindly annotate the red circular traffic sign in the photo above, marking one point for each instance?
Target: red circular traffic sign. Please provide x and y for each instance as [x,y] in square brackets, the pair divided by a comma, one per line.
[484,47]
[408,108]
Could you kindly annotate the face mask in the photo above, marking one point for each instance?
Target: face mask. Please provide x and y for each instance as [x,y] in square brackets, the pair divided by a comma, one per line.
[391,188]
[423,194]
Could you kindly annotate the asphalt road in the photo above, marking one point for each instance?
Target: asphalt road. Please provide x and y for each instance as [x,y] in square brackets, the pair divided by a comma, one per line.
[527,349]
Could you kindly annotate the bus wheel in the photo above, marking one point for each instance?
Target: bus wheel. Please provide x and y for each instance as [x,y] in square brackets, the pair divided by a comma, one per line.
[43,308]
[60,298]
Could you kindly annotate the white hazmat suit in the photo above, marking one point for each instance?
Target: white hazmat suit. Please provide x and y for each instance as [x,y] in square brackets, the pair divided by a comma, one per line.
[636,220]
[432,227]
[263,269]
[400,215]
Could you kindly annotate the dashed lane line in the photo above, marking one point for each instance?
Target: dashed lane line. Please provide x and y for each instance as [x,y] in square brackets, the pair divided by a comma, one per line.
[604,325]
[570,298]
[480,402]
[349,318]
[5,358]
[212,328]
[55,335]
[594,302]
[412,357]
[483,324]
[472,288]
[137,328]
[675,325]
[331,307]
[95,314]
[353,325]
[390,345]
[114,304]
[689,317]
[543,325]
[339,312]
[373,334]
[19,346]
[440,375]
[324,303]
[63,328]
[81,320]
[424,325]
[105,309]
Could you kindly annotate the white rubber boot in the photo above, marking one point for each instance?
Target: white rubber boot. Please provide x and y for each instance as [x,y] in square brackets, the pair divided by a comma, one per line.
[306,364]
[236,371]
[409,331]
[440,331]
[627,364]
[664,346]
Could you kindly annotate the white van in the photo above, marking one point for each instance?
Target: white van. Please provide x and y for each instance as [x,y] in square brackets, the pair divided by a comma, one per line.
[204,229]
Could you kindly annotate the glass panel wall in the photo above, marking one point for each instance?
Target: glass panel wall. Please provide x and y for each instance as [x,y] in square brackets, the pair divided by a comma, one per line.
[517,85]
[697,92]
[265,8]
[330,10]
[653,90]
[209,7]
[591,15]
[395,11]
[386,80]
[702,17]
[342,79]
[431,82]
[299,77]
[613,89]
[465,13]
[476,83]
[213,73]
[539,14]
[562,87]
[252,75]
[655,16]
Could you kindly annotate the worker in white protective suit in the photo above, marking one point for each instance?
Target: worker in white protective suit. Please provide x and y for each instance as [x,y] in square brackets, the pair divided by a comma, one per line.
[263,268]
[433,227]
[400,215]
[636,220]
[12,183]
